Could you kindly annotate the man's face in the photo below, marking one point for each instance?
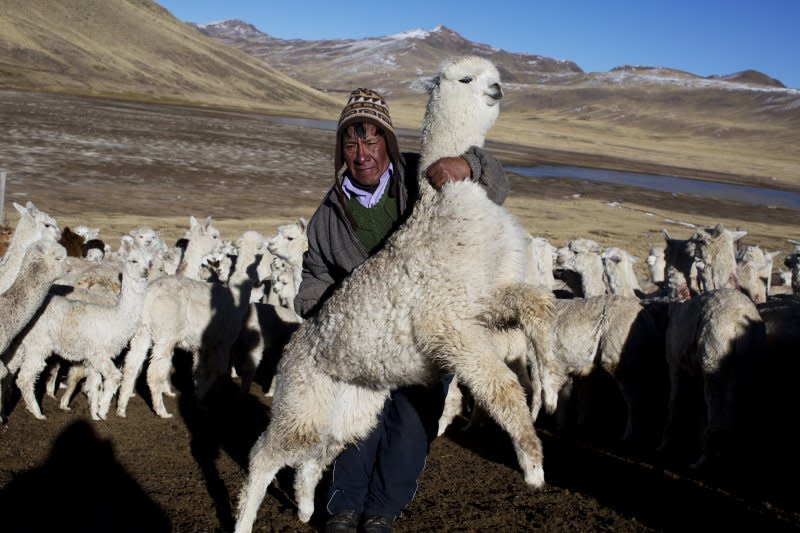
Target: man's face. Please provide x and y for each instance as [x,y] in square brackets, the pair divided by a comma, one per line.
[365,153]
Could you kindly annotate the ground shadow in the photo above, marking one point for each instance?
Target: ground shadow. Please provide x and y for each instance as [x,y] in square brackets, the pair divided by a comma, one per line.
[82,488]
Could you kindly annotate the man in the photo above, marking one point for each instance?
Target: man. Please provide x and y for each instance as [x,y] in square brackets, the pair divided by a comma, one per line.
[374,191]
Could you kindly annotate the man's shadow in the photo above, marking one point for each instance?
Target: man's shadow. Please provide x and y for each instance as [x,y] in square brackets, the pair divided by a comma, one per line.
[81,487]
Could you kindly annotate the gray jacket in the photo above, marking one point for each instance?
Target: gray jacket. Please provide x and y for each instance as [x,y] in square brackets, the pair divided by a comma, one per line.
[334,250]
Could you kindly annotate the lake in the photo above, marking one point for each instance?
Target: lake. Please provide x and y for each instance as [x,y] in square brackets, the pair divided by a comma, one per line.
[672,184]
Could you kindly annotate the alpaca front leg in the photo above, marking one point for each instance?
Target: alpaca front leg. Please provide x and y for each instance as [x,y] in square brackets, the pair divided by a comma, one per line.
[134,361]
[74,376]
[158,376]
[111,377]
[29,371]
[52,380]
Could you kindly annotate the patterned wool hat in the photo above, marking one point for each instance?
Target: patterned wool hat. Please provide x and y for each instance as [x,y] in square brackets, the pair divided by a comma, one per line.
[366,105]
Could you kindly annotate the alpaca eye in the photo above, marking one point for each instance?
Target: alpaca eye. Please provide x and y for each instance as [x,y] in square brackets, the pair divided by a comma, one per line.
[466,79]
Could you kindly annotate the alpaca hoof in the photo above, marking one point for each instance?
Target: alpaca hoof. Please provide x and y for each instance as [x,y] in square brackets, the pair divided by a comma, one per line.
[121,413]
[164,414]
[66,408]
[535,478]
[304,516]
[169,392]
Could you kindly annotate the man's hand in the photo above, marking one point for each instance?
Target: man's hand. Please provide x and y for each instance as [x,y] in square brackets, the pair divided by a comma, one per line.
[447,169]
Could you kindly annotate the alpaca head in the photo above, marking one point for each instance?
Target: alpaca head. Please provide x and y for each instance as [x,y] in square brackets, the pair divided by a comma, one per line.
[463,106]
[37,224]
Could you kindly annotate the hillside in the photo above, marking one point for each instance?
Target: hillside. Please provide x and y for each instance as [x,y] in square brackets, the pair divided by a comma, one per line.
[655,118]
[136,49]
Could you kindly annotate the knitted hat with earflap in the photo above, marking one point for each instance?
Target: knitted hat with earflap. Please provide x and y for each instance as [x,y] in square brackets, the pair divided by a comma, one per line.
[366,105]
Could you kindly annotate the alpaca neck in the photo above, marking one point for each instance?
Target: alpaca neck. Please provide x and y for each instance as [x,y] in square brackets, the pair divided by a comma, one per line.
[445,136]
[11,263]
[190,264]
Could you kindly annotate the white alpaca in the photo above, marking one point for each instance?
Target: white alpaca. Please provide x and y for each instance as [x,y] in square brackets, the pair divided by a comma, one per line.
[715,257]
[203,318]
[42,264]
[289,244]
[542,259]
[754,272]
[615,333]
[656,264]
[618,273]
[581,259]
[99,283]
[712,340]
[81,331]
[32,225]
[444,279]
[203,239]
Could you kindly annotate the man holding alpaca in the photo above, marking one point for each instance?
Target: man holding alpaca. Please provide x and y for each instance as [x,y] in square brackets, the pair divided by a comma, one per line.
[374,191]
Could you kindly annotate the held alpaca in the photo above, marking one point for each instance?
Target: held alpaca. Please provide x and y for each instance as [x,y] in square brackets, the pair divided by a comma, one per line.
[82,331]
[439,288]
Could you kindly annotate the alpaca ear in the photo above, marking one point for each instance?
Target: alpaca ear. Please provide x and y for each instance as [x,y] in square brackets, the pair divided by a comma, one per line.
[19,208]
[424,85]
[126,244]
[738,234]
[193,221]
[303,223]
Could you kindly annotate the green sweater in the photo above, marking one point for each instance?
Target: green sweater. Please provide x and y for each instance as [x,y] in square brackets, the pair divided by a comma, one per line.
[375,223]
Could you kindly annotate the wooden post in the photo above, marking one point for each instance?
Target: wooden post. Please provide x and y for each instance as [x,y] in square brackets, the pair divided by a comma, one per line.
[2,197]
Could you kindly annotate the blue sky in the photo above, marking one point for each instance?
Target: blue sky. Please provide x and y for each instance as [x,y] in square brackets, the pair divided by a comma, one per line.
[700,36]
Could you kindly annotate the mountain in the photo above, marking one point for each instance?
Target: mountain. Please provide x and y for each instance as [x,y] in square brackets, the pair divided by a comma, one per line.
[643,97]
[376,61]
[390,64]
[137,49]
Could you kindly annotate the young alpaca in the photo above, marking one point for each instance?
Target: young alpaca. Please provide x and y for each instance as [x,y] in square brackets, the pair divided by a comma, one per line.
[82,331]
[332,381]
[32,226]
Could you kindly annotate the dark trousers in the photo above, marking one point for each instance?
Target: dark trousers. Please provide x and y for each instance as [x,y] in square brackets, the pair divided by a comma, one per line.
[378,475]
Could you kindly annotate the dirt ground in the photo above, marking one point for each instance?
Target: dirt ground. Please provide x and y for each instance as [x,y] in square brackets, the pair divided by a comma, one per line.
[118,166]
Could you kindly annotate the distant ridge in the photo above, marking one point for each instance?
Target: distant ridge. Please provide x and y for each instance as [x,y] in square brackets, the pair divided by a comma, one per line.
[389,63]
[137,49]
[373,60]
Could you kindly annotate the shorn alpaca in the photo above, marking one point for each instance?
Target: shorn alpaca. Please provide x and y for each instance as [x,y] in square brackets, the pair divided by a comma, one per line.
[333,381]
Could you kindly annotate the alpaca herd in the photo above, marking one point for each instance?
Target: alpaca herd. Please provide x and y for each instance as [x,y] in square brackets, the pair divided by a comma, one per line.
[105,317]
[519,328]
